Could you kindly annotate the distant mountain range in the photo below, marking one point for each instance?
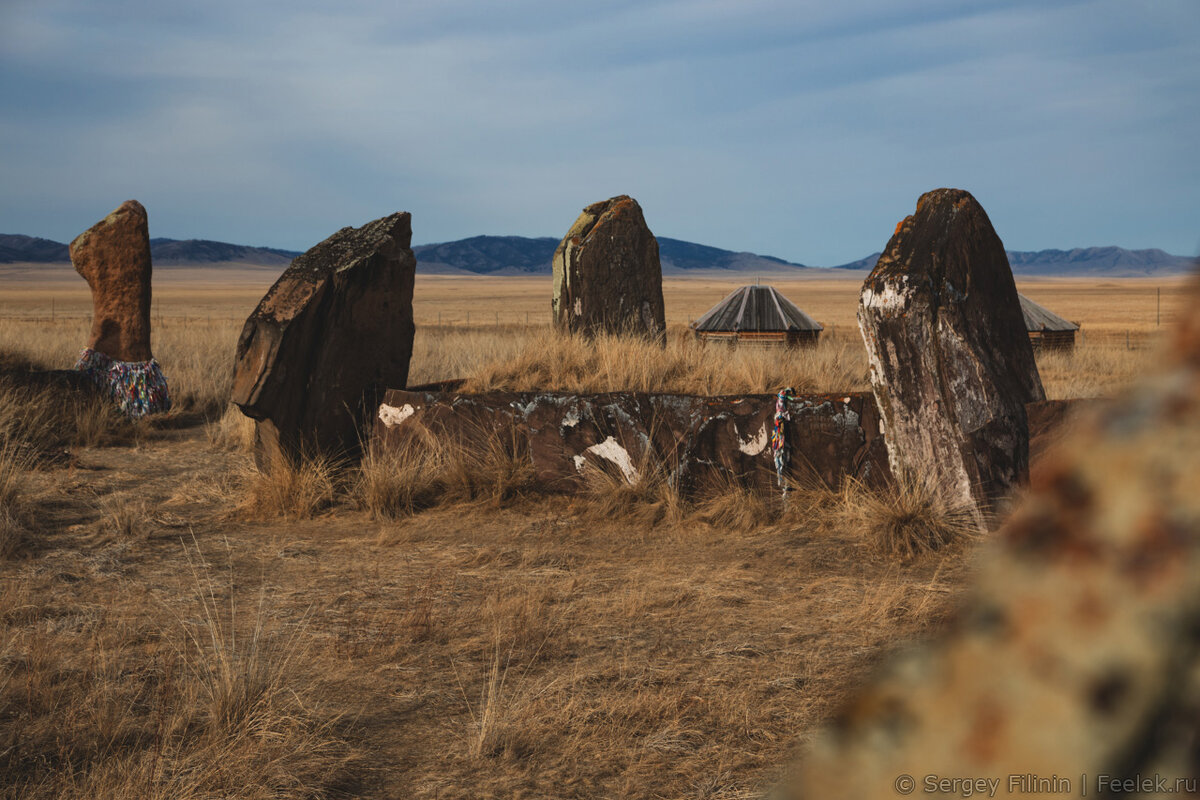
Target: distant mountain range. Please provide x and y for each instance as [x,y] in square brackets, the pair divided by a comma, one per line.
[520,255]
[164,252]
[1109,262]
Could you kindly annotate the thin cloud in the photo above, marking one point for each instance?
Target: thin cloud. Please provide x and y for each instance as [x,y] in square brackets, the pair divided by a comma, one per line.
[802,130]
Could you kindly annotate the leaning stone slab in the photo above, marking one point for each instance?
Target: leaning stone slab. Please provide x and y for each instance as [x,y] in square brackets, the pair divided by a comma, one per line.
[607,276]
[113,256]
[692,439]
[335,329]
[951,363]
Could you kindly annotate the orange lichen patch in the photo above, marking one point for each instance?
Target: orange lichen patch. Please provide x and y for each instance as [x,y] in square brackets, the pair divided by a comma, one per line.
[1090,610]
[985,736]
[899,225]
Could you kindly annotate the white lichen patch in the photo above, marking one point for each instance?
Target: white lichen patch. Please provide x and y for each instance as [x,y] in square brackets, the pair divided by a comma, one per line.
[611,451]
[580,463]
[891,298]
[392,416]
[755,444]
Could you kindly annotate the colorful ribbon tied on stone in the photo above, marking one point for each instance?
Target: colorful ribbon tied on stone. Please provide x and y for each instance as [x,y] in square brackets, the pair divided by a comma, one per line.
[779,444]
[137,388]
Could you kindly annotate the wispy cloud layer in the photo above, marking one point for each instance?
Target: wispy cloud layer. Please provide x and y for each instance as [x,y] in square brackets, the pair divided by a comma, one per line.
[803,130]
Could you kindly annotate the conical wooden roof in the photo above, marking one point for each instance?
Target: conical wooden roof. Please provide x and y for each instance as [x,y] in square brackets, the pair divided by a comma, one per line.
[756,308]
[1039,318]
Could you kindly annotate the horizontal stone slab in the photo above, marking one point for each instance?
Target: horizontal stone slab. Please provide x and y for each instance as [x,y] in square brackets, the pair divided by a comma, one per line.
[692,438]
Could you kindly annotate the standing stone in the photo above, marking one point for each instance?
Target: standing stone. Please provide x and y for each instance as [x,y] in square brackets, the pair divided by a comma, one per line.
[607,277]
[1076,653]
[113,256]
[951,364]
[334,331]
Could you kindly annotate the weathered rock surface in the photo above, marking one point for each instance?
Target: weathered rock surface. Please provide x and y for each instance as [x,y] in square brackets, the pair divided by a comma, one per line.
[1078,652]
[951,363]
[607,276]
[334,331]
[689,437]
[833,436]
[113,256]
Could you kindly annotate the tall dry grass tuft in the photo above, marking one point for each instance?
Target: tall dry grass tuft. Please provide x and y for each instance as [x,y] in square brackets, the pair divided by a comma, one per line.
[242,675]
[28,420]
[731,503]
[45,419]
[909,518]
[291,489]
[487,716]
[97,423]
[496,473]
[234,431]
[611,363]
[399,482]
[115,707]
[642,492]
[14,503]
[124,518]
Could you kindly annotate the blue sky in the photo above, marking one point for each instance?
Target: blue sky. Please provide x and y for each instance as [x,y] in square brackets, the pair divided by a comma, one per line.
[803,130]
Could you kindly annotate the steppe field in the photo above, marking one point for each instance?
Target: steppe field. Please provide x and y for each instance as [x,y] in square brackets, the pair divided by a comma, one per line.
[177,624]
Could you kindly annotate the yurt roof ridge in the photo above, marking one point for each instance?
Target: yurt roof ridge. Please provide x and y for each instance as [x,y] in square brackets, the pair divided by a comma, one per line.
[756,307]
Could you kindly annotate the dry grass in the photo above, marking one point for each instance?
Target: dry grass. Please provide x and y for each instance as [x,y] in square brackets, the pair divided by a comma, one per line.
[283,489]
[398,482]
[1092,370]
[729,503]
[467,635]
[496,643]
[234,431]
[14,502]
[117,705]
[618,363]
[195,357]
[124,518]
[496,474]
[908,519]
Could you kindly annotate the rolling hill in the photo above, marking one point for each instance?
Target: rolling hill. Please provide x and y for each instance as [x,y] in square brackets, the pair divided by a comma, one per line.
[519,255]
[15,248]
[1100,262]
[522,255]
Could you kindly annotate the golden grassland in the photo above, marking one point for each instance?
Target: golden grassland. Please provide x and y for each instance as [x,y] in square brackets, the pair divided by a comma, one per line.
[198,313]
[177,624]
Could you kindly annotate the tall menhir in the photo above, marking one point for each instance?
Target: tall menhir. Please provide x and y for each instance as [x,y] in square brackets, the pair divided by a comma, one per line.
[113,256]
[951,363]
[607,276]
[327,339]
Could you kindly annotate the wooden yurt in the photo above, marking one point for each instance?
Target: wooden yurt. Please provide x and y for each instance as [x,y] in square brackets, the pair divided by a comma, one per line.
[757,314]
[1047,329]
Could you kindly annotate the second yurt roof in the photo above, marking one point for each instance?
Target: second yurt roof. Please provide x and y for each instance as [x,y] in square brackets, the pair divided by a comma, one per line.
[756,308]
[1040,318]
